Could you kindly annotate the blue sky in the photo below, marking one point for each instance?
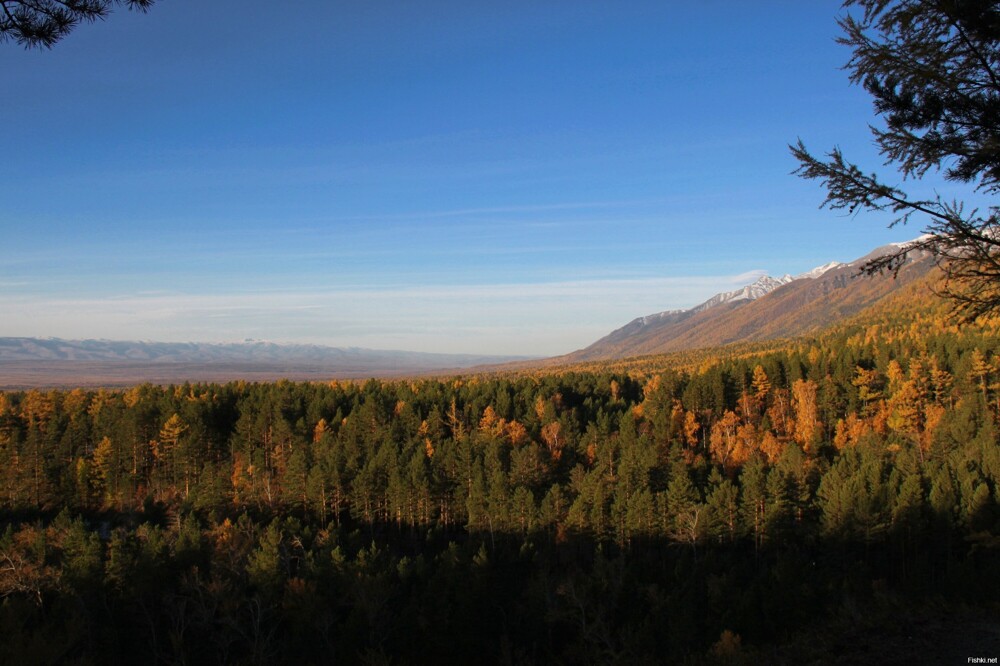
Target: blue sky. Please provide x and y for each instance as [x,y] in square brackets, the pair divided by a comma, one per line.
[510,177]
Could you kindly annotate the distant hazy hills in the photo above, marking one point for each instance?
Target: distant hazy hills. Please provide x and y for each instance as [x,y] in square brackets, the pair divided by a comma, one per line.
[35,349]
[767,309]
[26,362]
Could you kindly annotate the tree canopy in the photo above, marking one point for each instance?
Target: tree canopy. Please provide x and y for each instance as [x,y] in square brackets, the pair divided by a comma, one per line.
[932,68]
[578,517]
[42,23]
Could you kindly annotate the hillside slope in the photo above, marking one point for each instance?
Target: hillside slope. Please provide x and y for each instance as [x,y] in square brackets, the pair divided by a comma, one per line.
[795,307]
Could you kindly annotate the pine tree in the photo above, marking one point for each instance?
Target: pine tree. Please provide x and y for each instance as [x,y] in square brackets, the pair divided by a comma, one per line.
[931,67]
[685,512]
[723,506]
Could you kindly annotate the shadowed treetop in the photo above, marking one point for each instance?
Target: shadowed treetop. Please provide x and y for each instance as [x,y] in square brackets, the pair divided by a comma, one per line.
[42,23]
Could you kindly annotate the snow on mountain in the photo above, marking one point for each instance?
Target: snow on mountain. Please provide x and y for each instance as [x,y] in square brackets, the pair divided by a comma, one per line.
[916,240]
[653,318]
[763,285]
[819,270]
[892,248]
[766,309]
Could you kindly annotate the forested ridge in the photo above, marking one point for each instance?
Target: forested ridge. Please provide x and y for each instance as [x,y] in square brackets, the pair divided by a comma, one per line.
[671,511]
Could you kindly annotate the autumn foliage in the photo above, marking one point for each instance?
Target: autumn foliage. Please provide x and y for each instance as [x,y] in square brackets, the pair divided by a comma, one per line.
[593,509]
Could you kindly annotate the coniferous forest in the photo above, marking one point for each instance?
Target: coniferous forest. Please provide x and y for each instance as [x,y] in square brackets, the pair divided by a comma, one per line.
[687,509]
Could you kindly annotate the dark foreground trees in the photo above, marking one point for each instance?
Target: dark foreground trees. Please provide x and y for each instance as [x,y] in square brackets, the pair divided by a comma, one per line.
[932,68]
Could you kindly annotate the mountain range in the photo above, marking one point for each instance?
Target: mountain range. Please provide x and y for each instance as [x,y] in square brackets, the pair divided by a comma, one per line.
[766,309]
[28,362]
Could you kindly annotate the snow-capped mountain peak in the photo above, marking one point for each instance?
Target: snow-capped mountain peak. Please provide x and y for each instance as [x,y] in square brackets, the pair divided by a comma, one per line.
[763,285]
[911,246]
[649,319]
[919,239]
[819,270]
